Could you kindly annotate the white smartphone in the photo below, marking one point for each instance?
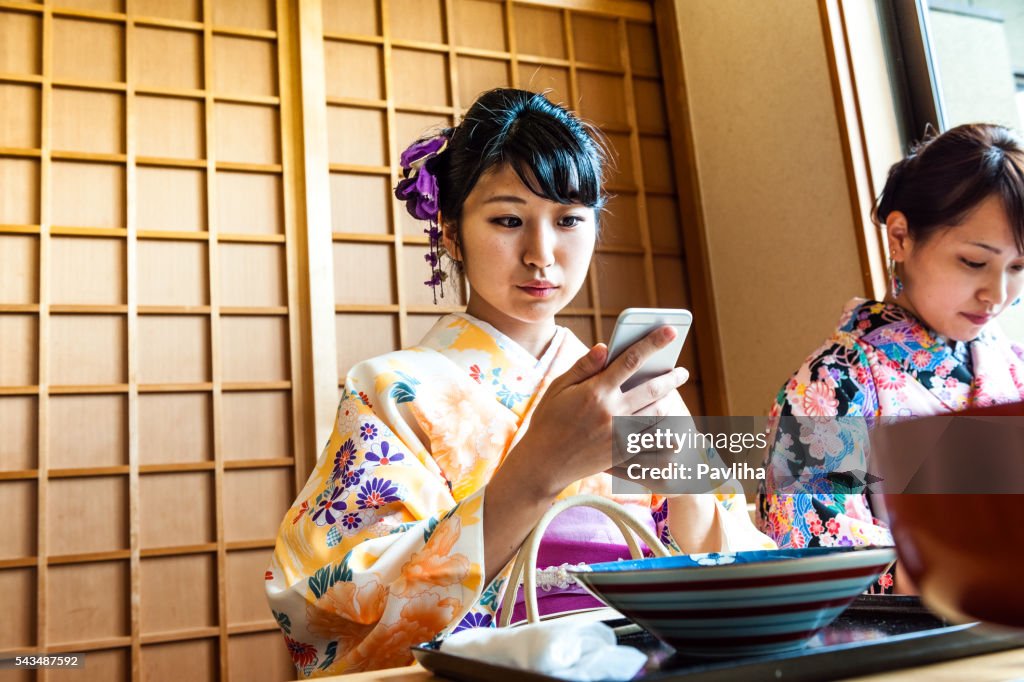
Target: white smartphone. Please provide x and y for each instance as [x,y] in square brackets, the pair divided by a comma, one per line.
[636,323]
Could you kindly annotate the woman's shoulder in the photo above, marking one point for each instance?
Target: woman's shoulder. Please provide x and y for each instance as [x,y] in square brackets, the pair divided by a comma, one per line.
[835,377]
[843,344]
[863,316]
[412,363]
[429,345]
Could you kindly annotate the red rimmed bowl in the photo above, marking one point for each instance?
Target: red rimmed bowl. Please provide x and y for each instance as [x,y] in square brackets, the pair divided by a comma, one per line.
[737,604]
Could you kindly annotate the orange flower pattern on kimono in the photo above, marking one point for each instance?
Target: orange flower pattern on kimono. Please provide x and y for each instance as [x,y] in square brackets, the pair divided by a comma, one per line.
[383,547]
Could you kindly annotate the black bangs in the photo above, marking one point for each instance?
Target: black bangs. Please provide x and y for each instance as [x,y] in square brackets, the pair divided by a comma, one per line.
[556,155]
[550,161]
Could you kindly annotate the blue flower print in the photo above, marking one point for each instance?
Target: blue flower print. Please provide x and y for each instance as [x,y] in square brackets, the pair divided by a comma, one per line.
[376,493]
[386,456]
[367,431]
[352,520]
[666,538]
[661,513]
[343,459]
[474,620]
[508,397]
[327,505]
[351,477]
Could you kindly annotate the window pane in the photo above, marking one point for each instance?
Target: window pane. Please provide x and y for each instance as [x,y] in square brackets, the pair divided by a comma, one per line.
[977,49]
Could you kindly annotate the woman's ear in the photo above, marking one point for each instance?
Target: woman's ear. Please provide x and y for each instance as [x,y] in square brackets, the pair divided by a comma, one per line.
[450,240]
[898,235]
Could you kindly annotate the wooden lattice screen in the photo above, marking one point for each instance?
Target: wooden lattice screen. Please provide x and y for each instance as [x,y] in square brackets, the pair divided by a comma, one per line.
[152,383]
[146,313]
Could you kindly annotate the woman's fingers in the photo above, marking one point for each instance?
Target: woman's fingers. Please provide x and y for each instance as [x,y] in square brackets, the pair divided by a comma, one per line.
[633,358]
[587,366]
[645,398]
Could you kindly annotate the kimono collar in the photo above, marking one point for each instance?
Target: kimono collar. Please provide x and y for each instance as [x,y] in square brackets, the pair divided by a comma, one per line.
[905,342]
[490,358]
[472,332]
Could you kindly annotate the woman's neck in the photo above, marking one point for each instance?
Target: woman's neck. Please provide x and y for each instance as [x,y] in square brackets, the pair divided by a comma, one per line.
[902,302]
[533,337]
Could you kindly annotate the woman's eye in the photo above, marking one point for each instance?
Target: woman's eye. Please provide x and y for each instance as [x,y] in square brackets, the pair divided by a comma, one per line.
[1019,267]
[507,221]
[570,221]
[972,264]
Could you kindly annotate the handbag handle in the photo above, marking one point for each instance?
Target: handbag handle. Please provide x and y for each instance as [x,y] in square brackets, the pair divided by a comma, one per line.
[524,569]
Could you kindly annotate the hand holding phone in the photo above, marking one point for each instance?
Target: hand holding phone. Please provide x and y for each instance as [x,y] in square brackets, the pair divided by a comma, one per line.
[636,323]
[580,440]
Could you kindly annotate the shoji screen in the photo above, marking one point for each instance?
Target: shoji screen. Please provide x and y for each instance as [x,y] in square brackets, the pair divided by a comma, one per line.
[148,340]
[395,68]
[155,365]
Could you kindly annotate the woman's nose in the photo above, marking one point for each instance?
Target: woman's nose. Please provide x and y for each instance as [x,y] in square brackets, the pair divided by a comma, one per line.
[995,291]
[539,250]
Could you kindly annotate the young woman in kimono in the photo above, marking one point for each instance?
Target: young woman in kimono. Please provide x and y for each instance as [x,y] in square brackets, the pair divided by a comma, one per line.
[431,479]
[953,214]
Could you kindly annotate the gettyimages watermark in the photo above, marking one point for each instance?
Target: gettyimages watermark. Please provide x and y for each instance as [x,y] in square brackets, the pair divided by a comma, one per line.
[953,454]
[678,455]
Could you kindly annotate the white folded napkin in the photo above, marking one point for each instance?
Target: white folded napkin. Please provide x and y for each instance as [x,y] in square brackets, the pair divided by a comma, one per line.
[584,652]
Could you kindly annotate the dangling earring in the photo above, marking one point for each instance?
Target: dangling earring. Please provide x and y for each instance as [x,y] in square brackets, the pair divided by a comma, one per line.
[895,283]
[1016,301]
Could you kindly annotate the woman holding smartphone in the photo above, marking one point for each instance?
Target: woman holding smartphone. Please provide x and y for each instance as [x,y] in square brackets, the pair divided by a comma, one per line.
[953,214]
[445,455]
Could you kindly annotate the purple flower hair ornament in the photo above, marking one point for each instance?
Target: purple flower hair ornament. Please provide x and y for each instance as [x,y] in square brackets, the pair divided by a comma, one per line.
[419,190]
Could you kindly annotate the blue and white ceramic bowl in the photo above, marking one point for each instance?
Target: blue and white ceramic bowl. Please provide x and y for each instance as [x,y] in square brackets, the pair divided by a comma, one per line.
[742,603]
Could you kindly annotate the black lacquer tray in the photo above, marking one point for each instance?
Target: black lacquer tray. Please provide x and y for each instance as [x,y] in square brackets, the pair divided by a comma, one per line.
[875,634]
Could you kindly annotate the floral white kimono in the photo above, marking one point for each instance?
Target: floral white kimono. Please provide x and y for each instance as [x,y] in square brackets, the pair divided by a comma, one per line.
[383,548]
[880,362]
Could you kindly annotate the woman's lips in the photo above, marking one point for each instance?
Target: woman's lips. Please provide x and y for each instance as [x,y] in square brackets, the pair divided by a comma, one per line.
[538,290]
[977,319]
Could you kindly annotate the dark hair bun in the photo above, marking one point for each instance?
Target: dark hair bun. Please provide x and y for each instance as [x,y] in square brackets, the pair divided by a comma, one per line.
[946,176]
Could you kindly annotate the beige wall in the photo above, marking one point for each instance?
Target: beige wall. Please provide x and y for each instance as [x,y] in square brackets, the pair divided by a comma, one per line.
[781,238]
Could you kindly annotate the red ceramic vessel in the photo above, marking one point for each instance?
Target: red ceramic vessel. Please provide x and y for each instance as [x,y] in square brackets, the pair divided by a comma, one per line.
[963,542]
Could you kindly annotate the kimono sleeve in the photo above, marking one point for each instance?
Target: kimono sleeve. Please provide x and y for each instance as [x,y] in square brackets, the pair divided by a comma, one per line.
[737,531]
[813,493]
[374,555]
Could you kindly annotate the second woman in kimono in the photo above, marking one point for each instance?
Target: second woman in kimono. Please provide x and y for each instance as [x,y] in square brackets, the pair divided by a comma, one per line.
[445,455]
[953,214]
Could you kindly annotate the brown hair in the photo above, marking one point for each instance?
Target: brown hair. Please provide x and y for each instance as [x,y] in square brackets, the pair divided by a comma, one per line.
[945,177]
